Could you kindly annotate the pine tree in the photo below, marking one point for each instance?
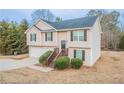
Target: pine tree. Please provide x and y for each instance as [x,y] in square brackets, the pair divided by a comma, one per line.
[13,38]
[3,37]
[23,48]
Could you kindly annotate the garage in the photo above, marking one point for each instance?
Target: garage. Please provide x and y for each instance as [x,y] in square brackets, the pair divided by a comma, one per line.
[38,51]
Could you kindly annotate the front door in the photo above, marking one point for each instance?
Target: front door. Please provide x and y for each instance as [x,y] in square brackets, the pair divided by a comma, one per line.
[63,44]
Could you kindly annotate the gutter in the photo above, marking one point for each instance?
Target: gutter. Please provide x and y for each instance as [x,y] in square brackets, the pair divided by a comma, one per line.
[62,30]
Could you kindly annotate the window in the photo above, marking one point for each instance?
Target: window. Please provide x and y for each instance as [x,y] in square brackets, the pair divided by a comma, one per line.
[79,35]
[33,37]
[75,36]
[49,36]
[79,54]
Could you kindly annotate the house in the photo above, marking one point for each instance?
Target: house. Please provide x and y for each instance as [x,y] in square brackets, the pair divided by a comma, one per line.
[80,38]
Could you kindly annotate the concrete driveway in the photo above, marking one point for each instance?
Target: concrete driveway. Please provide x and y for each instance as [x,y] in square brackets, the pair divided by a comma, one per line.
[9,64]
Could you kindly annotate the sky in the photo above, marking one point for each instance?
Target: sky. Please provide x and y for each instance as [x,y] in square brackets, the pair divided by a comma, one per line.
[19,14]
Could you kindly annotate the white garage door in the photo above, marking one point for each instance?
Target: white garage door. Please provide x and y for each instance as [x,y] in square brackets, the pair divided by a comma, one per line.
[38,51]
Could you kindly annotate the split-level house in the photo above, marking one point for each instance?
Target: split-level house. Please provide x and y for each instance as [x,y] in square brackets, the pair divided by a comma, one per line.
[76,38]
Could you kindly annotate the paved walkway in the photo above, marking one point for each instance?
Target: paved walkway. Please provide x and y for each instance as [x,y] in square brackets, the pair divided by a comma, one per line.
[9,64]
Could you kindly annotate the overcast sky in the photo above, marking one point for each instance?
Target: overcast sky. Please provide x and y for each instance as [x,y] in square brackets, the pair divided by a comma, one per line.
[19,14]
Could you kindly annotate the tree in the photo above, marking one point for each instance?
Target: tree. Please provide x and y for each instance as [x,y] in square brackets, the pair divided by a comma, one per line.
[121,44]
[110,28]
[42,14]
[23,48]
[94,12]
[11,41]
[111,31]
[58,19]
[12,37]
[3,36]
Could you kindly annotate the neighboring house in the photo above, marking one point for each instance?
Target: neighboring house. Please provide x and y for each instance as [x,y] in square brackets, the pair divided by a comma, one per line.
[80,38]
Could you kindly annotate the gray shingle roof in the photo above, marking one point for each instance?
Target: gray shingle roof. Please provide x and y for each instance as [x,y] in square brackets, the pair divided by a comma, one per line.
[74,23]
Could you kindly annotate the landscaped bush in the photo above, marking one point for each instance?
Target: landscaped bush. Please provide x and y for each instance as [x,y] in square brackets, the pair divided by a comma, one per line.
[76,63]
[62,62]
[44,57]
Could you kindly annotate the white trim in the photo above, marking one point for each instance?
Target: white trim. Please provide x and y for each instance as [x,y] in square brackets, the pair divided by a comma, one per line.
[100,25]
[74,29]
[47,24]
[98,20]
[37,23]
[31,26]
[28,29]
[78,35]
[63,30]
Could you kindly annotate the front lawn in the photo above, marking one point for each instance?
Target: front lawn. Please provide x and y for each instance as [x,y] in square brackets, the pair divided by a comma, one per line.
[106,70]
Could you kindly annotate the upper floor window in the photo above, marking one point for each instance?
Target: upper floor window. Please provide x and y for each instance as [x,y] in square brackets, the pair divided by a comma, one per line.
[33,37]
[49,36]
[79,35]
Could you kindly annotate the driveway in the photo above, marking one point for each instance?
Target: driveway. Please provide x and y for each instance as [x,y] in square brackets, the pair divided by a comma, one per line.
[8,64]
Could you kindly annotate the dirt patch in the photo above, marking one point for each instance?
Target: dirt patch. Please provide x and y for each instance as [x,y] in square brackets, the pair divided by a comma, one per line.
[115,58]
[108,69]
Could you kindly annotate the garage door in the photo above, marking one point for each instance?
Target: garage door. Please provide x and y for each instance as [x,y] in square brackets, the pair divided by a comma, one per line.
[38,51]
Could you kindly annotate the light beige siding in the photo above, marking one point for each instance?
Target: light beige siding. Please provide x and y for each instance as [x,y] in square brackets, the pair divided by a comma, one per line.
[87,55]
[49,43]
[92,46]
[38,37]
[85,44]
[62,36]
[43,26]
[96,42]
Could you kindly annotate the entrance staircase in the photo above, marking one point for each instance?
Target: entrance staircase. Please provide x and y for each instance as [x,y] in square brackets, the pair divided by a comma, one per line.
[52,56]
[56,54]
[64,52]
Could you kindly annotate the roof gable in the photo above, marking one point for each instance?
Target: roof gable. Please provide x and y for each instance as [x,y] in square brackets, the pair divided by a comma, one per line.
[41,26]
[74,23]
[66,24]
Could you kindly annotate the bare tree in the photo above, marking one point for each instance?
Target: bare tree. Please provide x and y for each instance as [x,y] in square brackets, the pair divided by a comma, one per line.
[109,23]
[42,14]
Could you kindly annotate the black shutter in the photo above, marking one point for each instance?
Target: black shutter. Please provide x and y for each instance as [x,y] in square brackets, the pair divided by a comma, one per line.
[35,37]
[51,36]
[30,37]
[85,35]
[74,53]
[45,36]
[71,36]
[83,54]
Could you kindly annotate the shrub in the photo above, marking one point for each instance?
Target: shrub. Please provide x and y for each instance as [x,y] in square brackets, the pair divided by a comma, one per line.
[44,57]
[76,63]
[62,62]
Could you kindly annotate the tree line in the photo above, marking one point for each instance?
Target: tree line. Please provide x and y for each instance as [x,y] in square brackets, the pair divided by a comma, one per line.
[112,33]
[13,38]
